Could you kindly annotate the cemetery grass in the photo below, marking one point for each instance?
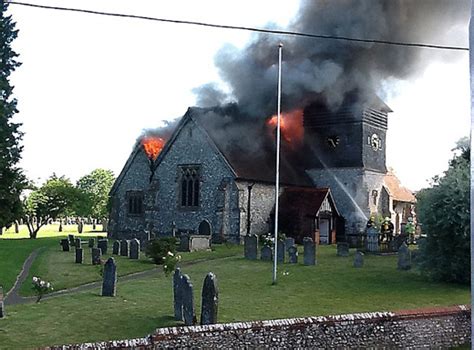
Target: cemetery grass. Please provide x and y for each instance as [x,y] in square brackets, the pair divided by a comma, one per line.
[245,293]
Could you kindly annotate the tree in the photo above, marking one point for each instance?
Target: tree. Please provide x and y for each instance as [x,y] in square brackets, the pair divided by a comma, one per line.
[444,211]
[12,180]
[96,186]
[57,197]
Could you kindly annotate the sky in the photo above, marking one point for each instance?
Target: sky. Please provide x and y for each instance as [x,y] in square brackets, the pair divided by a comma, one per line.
[89,85]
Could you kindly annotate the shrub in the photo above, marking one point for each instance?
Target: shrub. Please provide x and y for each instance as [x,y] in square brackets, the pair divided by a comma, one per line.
[157,249]
[41,288]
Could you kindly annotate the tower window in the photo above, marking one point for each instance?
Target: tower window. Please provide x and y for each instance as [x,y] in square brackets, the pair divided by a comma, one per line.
[190,186]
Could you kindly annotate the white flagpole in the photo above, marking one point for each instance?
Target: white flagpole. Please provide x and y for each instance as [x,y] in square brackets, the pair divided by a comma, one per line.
[277,177]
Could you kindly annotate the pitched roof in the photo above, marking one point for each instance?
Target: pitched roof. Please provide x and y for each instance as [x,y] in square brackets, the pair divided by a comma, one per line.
[306,201]
[396,190]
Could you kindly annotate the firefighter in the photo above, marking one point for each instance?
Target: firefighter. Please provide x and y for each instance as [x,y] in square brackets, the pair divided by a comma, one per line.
[387,230]
[410,230]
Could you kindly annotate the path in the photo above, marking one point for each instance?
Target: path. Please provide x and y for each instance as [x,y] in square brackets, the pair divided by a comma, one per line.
[13,297]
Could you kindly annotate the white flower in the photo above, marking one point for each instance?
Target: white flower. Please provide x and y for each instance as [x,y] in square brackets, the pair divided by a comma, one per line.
[35,279]
[165,267]
[42,283]
[170,254]
[48,285]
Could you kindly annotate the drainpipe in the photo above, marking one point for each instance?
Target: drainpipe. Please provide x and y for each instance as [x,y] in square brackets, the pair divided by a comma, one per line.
[249,187]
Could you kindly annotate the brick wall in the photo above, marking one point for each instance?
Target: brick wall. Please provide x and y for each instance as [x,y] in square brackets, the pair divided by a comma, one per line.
[422,328]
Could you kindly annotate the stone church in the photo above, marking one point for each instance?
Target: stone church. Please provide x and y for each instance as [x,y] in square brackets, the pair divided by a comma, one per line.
[216,173]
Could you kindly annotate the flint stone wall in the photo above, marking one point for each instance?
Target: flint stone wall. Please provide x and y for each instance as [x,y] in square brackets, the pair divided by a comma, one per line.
[443,327]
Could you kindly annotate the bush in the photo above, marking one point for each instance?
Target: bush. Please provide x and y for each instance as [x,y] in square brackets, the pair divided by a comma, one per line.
[157,249]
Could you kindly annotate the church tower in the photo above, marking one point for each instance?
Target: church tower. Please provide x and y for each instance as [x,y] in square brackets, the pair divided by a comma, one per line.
[348,154]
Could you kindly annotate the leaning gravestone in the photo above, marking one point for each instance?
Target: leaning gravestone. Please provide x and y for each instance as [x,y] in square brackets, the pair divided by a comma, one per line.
[65,244]
[372,239]
[124,247]
[250,247]
[188,300]
[95,256]
[266,253]
[2,307]
[293,255]
[91,242]
[178,295]
[134,249]
[280,251]
[289,242]
[309,256]
[358,259]
[404,257]
[79,255]
[109,281]
[116,248]
[103,245]
[343,249]
[210,300]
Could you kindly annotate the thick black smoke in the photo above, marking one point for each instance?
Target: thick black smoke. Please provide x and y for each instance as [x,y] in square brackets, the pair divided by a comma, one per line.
[332,68]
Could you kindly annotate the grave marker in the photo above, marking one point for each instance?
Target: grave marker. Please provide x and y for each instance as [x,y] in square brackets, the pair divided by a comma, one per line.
[266,253]
[210,300]
[65,244]
[116,248]
[188,301]
[293,255]
[95,256]
[134,249]
[109,281]
[124,247]
[178,295]
[309,255]
[103,245]
[79,256]
[343,249]
[358,259]
[250,247]
[404,257]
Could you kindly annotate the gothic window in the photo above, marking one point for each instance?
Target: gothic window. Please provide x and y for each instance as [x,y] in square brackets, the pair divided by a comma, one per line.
[135,203]
[375,195]
[190,186]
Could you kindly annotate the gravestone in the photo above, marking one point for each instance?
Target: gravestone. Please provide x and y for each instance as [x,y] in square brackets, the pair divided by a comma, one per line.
[124,247]
[204,228]
[109,281]
[116,248]
[94,224]
[79,256]
[184,242]
[250,247]
[2,307]
[309,255]
[103,245]
[293,255]
[77,243]
[178,295]
[280,251]
[289,242]
[188,301]
[372,239]
[60,229]
[95,256]
[266,253]
[210,300]
[71,239]
[404,257]
[91,242]
[65,244]
[358,259]
[134,249]
[343,249]
[80,226]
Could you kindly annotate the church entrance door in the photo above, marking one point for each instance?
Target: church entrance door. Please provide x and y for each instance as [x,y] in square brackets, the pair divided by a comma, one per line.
[324,231]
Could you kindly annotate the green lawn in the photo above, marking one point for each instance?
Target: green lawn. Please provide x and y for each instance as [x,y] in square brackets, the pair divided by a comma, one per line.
[246,293]
[50,231]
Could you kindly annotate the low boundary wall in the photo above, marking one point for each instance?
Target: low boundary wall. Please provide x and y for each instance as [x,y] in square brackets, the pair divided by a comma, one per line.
[440,327]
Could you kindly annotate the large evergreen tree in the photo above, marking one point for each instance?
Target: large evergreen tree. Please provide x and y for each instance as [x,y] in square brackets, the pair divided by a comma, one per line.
[12,180]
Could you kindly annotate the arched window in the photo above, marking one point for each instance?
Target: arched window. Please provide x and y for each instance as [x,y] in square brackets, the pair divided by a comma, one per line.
[190,183]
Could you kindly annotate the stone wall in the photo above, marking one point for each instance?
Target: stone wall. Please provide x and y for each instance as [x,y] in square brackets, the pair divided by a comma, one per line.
[442,327]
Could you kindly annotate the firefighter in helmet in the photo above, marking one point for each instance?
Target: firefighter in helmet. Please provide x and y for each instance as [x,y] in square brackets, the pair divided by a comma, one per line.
[386,230]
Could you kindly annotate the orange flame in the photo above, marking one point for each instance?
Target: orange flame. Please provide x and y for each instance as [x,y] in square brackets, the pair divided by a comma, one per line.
[152,146]
[291,125]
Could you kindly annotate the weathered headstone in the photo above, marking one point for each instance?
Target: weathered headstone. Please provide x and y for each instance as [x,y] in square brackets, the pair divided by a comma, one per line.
[266,253]
[250,247]
[103,245]
[95,256]
[124,247]
[71,239]
[309,255]
[404,257]
[116,248]
[109,281]
[188,301]
[372,239]
[293,255]
[289,242]
[280,251]
[77,243]
[2,307]
[65,244]
[178,295]
[79,256]
[134,249]
[91,242]
[358,259]
[343,249]
[210,300]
